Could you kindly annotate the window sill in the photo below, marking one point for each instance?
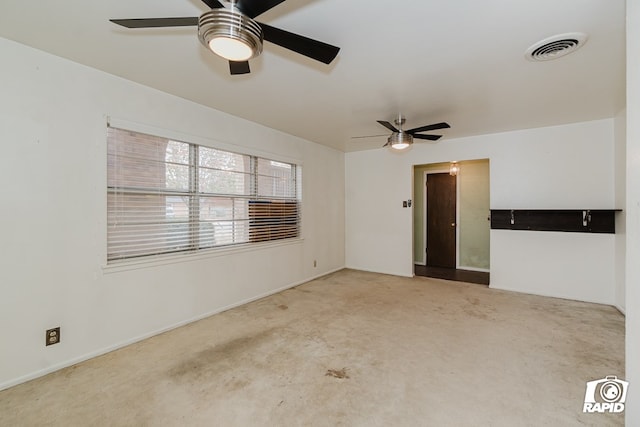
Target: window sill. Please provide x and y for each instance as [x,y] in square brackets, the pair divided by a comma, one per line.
[161,260]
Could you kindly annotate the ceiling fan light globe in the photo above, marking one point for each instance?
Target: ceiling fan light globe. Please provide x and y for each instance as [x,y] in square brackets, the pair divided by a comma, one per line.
[230,48]
[400,145]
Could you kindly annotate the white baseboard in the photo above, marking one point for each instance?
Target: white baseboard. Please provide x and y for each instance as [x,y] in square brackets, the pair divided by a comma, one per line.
[621,310]
[545,294]
[108,349]
[381,272]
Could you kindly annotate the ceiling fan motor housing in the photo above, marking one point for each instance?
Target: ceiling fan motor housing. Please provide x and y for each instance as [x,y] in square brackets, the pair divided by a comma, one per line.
[400,138]
[230,24]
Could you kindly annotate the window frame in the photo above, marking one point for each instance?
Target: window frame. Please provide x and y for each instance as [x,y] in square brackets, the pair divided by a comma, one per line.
[195,249]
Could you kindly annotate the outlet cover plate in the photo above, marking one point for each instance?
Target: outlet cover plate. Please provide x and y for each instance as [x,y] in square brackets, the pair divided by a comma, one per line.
[52,336]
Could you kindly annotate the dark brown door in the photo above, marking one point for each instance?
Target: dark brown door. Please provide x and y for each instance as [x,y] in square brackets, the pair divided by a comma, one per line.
[441,220]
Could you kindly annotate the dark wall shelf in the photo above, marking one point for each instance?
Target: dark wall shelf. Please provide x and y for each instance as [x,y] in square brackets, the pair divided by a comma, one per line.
[567,220]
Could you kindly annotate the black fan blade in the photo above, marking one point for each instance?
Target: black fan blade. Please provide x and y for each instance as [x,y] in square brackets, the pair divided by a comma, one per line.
[253,8]
[156,22]
[429,137]
[213,4]
[239,67]
[442,125]
[368,136]
[387,144]
[310,48]
[388,126]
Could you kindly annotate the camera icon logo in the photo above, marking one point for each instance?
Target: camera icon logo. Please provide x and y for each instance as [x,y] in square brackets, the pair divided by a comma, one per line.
[607,394]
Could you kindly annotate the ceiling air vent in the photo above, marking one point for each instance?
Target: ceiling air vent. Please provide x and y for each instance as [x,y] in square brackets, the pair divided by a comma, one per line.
[555,46]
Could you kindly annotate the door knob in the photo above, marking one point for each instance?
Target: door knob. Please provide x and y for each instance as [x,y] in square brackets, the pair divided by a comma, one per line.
[453,224]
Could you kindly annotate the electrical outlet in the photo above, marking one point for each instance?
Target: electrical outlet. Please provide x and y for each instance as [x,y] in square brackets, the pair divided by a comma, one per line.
[52,336]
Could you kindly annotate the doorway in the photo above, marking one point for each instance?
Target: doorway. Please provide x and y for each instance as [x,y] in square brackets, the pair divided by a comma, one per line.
[451,221]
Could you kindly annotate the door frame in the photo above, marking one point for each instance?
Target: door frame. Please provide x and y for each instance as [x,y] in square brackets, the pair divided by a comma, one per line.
[424,214]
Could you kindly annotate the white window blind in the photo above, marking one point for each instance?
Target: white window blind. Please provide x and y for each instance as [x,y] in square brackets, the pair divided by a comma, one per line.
[167,196]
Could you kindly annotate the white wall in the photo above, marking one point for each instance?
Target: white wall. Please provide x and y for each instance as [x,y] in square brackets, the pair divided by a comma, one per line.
[474,227]
[378,229]
[633,214]
[53,203]
[620,168]
[561,167]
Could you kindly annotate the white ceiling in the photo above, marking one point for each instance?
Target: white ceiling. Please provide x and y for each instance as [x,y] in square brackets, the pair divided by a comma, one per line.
[460,61]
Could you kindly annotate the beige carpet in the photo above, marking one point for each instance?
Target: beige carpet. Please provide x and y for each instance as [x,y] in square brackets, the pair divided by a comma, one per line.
[352,349]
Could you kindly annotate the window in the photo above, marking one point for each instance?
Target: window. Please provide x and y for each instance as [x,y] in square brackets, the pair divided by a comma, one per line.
[166,196]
